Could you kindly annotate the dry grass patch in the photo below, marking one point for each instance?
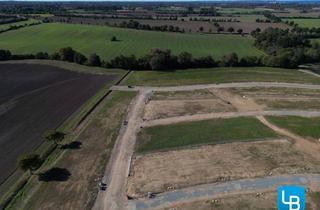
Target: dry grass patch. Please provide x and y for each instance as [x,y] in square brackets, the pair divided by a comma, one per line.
[283,98]
[158,172]
[180,103]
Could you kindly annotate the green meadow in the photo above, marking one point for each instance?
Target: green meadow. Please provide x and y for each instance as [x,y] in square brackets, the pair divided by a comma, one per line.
[96,39]
[305,23]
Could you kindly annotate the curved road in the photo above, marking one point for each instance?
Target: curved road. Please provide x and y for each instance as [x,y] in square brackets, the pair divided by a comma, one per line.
[211,190]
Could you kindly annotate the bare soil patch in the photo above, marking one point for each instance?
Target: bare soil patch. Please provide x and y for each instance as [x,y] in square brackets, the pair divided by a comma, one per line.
[282,98]
[172,108]
[160,172]
[180,103]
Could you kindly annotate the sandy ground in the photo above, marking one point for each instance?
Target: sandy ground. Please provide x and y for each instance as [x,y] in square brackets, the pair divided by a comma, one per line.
[163,171]
[159,109]
[171,104]
[261,201]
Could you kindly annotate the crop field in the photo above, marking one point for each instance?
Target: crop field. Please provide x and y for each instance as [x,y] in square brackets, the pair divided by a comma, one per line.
[85,163]
[201,132]
[243,10]
[35,98]
[188,26]
[96,39]
[305,23]
[219,75]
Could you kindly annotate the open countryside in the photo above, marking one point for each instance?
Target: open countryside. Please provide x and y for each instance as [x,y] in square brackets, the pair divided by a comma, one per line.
[158,105]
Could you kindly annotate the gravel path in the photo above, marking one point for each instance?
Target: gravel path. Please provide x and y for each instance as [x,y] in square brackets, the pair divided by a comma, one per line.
[224,85]
[207,191]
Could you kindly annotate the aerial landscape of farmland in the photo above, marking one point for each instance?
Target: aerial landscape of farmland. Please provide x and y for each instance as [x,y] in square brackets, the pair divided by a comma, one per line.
[169,105]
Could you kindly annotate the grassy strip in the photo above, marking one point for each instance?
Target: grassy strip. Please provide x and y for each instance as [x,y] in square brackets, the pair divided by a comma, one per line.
[219,75]
[201,132]
[303,126]
[89,39]
[98,139]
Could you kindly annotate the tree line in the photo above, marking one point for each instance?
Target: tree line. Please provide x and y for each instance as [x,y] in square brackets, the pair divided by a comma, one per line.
[16,27]
[283,49]
[286,48]
[64,54]
[136,25]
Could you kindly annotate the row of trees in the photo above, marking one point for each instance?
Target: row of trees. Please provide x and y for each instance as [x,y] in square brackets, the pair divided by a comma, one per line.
[136,25]
[15,27]
[64,54]
[164,60]
[31,162]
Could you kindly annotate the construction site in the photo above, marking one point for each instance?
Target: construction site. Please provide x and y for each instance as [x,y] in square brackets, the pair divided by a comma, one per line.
[202,145]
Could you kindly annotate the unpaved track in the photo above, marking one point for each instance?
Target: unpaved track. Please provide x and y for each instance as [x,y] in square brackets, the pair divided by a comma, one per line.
[114,198]
[300,143]
[117,171]
[207,191]
[199,117]
[223,85]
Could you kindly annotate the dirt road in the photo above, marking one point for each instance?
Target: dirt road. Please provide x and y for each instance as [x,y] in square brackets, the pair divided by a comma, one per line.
[117,171]
[223,85]
[114,198]
[300,143]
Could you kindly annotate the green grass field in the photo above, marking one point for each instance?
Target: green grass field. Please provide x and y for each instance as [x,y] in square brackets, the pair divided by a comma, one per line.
[201,132]
[305,23]
[219,75]
[20,23]
[307,127]
[96,39]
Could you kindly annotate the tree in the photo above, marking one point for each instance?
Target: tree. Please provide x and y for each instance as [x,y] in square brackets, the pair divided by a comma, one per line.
[5,55]
[239,31]
[230,30]
[161,60]
[113,39]
[41,55]
[79,58]
[220,29]
[230,60]
[184,60]
[54,136]
[94,60]
[29,162]
[66,54]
